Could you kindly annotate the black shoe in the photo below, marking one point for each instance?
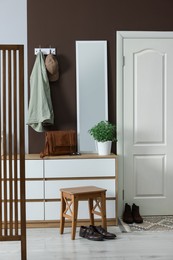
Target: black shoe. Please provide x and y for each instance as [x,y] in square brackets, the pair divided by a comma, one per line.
[136,215]
[127,215]
[90,233]
[103,232]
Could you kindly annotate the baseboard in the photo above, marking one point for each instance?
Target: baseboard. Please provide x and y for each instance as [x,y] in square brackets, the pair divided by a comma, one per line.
[56,223]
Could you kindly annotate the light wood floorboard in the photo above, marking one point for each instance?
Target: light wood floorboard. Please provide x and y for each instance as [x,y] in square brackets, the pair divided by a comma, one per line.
[47,244]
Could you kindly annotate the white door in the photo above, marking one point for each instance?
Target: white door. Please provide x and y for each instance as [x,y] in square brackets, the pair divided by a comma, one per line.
[148,124]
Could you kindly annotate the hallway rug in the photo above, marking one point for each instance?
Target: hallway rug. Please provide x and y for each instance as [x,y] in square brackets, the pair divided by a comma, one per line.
[150,223]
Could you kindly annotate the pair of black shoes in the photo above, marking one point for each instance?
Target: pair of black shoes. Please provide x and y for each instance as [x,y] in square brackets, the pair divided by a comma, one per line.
[95,233]
[132,215]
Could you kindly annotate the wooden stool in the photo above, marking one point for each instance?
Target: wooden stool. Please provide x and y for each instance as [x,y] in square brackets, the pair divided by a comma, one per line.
[71,196]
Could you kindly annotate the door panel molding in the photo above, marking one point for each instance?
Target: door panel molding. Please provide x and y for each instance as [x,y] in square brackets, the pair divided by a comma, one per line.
[142,168]
[149,92]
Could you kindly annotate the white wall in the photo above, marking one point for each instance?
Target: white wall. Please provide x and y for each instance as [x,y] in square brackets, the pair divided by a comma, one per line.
[13,30]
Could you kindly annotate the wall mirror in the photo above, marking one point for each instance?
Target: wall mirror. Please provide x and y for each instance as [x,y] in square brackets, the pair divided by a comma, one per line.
[92,90]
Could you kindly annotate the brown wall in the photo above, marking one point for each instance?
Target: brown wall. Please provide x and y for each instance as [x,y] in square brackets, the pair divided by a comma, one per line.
[60,23]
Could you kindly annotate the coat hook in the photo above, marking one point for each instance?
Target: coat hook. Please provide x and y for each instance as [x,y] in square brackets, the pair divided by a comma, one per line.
[45,51]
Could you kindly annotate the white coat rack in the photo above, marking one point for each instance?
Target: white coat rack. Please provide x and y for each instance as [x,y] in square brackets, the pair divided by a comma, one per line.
[45,51]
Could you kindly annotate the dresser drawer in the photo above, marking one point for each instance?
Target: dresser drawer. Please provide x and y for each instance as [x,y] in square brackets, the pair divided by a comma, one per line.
[34,168]
[52,188]
[34,189]
[35,211]
[53,210]
[79,168]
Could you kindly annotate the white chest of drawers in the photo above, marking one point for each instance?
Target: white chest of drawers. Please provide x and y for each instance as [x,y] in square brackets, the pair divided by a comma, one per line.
[45,177]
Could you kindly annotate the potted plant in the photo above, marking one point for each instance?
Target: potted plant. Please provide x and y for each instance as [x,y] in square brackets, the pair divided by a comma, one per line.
[104,133]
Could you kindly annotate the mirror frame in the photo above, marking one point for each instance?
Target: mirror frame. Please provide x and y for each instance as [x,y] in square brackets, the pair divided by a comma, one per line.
[92,90]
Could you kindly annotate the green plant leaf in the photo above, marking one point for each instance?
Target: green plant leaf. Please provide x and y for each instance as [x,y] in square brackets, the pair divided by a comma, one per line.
[103,131]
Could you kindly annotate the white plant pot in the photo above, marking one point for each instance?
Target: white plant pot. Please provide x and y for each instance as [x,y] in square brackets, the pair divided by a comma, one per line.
[104,148]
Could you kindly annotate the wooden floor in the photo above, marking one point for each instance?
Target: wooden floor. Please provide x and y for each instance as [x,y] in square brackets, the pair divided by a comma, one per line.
[47,244]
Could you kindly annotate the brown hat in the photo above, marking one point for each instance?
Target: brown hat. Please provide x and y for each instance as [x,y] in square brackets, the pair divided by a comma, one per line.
[52,67]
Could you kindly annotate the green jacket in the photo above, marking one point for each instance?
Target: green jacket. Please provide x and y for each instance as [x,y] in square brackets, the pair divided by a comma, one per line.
[40,112]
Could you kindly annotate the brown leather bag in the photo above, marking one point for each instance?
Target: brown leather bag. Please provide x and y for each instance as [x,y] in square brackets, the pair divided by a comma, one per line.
[59,143]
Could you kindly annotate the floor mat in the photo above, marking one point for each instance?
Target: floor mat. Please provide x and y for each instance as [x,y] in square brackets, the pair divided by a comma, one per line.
[150,223]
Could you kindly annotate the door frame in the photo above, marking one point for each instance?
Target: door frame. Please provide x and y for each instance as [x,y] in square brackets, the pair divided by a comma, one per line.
[120,37]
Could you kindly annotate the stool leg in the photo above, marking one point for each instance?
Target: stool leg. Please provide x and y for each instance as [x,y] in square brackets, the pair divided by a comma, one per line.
[90,204]
[103,210]
[74,216]
[62,218]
